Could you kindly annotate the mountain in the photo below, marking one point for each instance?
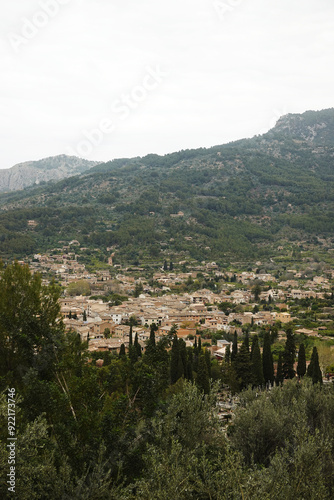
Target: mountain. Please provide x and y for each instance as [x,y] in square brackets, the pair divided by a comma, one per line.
[29,173]
[269,197]
[314,127]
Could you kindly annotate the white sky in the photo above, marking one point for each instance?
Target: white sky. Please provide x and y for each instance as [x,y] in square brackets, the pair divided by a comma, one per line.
[230,69]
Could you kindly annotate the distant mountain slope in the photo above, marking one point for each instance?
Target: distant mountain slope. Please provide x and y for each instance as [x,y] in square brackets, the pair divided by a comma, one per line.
[246,199]
[29,173]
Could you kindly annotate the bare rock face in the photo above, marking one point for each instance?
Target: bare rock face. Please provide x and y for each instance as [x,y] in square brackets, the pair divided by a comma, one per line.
[313,127]
[32,173]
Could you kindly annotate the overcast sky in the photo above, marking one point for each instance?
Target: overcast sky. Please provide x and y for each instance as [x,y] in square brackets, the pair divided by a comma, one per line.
[104,79]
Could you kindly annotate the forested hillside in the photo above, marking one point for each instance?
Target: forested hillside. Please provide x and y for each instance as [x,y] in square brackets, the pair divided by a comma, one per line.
[243,200]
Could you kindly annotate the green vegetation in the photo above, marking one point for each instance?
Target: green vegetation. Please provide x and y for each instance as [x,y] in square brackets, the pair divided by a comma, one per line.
[138,427]
[241,200]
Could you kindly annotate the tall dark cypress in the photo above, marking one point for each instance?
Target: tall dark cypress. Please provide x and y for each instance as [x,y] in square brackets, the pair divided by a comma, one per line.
[313,369]
[207,355]
[130,336]
[122,351]
[289,355]
[228,354]
[256,363]
[243,366]
[267,360]
[189,370]
[234,347]
[174,360]
[301,366]
[137,346]
[183,354]
[246,341]
[151,347]
[279,373]
[202,379]
[153,329]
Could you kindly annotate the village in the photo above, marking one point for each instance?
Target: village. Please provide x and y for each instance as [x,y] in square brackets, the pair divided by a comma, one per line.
[143,302]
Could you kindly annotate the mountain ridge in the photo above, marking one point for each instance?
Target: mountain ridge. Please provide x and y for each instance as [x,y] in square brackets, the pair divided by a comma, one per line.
[54,168]
[243,199]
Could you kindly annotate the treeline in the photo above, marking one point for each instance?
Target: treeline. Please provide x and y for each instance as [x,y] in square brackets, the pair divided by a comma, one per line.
[245,366]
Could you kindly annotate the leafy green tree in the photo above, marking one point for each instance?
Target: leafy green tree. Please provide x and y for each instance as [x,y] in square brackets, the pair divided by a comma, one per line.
[301,366]
[289,355]
[313,369]
[81,287]
[30,324]
[267,360]
[256,291]
[138,289]
[106,333]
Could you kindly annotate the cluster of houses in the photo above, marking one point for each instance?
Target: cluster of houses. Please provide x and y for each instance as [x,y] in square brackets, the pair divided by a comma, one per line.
[106,325]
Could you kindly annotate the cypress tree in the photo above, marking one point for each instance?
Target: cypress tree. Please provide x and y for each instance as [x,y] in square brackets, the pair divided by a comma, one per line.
[199,349]
[84,316]
[313,369]
[289,355]
[279,374]
[246,341]
[189,374]
[165,266]
[137,346]
[195,361]
[207,355]
[243,366]
[301,366]
[202,379]
[228,354]
[151,347]
[256,363]
[267,360]
[133,355]
[122,351]
[234,347]
[183,354]
[189,365]
[174,360]
[153,329]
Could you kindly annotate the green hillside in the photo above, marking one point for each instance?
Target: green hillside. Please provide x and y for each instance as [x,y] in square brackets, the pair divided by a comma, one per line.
[249,199]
